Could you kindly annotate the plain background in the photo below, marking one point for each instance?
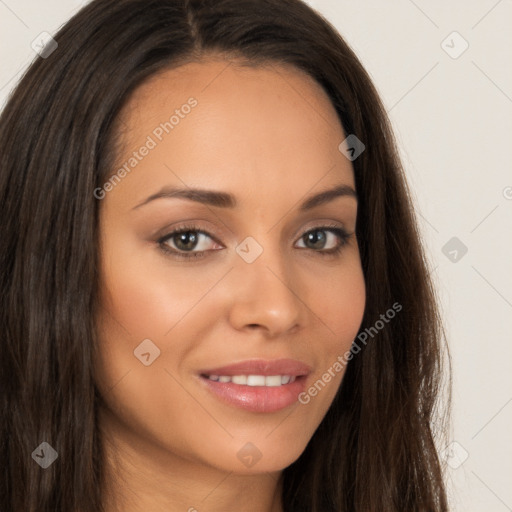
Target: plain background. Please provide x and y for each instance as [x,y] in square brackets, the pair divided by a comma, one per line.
[451,112]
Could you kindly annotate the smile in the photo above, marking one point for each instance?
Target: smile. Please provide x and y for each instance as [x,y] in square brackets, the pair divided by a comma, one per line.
[254,380]
[262,386]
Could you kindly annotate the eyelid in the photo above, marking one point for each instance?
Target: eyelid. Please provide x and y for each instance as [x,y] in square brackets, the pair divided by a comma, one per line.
[320,224]
[211,232]
[189,225]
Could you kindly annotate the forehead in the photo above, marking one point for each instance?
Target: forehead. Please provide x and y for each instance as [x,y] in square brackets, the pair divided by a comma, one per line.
[249,126]
[221,79]
[277,97]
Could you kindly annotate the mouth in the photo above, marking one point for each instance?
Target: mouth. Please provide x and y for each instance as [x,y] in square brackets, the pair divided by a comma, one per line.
[253,380]
[258,385]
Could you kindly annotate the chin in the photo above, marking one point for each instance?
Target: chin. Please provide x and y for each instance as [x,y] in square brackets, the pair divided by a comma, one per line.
[246,457]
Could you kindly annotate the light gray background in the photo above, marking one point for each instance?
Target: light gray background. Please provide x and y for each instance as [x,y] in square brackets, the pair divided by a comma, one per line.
[452,118]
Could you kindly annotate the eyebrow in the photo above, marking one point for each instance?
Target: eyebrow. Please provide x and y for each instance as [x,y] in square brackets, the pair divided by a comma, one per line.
[227,200]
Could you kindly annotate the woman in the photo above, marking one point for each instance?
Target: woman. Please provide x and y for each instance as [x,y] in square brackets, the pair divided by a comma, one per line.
[178,334]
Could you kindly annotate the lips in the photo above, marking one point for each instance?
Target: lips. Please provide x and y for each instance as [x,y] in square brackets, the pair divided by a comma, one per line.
[258,385]
[290,367]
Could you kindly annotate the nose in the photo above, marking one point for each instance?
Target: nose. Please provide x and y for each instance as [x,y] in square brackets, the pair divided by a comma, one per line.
[266,295]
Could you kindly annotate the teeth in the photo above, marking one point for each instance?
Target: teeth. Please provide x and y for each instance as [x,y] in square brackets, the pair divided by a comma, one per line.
[255,380]
[273,380]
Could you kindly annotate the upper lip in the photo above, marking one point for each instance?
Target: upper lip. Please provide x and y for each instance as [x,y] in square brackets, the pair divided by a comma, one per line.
[264,367]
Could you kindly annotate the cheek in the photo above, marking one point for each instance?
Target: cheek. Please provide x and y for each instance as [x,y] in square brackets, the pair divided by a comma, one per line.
[338,304]
[146,297]
[338,299]
[141,301]
[146,294]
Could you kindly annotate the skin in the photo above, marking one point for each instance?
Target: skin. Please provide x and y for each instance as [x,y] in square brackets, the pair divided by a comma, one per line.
[268,135]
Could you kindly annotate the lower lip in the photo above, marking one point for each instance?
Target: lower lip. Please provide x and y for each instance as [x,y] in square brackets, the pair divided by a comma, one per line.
[257,398]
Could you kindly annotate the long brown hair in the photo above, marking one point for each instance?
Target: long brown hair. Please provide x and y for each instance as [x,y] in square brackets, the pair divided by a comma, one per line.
[375,449]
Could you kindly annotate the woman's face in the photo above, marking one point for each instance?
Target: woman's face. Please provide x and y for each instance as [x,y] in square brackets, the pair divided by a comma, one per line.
[208,337]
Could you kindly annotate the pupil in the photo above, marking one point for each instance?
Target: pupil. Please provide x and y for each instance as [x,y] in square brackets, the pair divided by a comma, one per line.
[317,240]
[188,240]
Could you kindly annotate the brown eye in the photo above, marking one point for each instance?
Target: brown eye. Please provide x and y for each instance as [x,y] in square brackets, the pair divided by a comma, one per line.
[188,240]
[185,241]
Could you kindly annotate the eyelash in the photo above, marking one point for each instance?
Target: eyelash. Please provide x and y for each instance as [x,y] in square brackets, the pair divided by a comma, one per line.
[337,230]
